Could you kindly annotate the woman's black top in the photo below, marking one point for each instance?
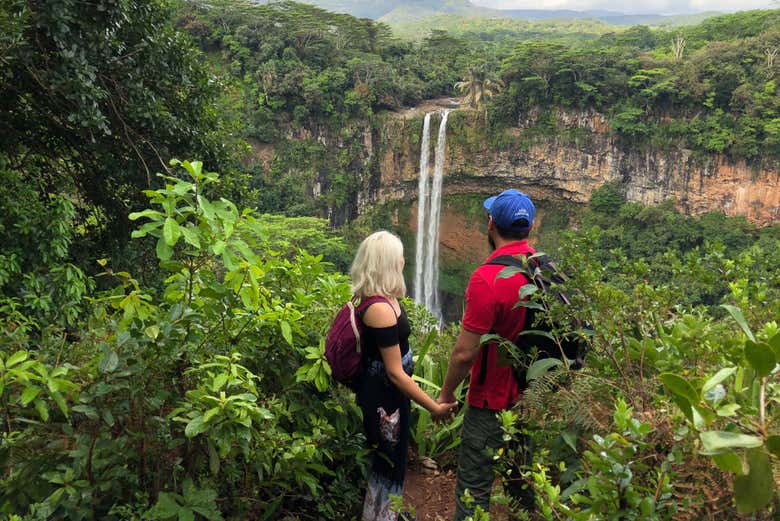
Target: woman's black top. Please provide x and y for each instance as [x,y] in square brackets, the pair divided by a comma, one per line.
[375,338]
[386,410]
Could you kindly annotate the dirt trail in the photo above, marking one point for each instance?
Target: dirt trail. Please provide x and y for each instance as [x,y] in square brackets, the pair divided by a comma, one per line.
[432,494]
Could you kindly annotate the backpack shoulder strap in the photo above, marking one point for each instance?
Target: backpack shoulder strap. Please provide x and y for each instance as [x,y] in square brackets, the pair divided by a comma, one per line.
[364,304]
[506,260]
[514,260]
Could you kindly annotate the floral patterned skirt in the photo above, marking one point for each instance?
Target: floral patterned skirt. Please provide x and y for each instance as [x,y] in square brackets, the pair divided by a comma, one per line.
[386,423]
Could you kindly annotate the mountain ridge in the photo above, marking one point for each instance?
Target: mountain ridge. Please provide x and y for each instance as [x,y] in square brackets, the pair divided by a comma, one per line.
[400,11]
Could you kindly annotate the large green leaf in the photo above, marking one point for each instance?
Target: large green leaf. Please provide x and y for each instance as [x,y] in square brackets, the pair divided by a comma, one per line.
[527,291]
[509,271]
[60,401]
[109,362]
[43,409]
[529,305]
[740,318]
[195,427]
[218,247]
[166,506]
[426,344]
[16,358]
[728,462]
[718,441]
[29,394]
[540,367]
[151,214]
[171,231]
[755,490]
[718,378]
[773,444]
[760,357]
[206,207]
[163,250]
[680,387]
[214,462]
[702,417]
[728,410]
[191,235]
[570,437]
[186,514]
[684,405]
[774,343]
[286,331]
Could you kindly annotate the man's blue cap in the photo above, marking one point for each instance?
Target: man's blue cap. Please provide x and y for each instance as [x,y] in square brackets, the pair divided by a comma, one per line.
[508,207]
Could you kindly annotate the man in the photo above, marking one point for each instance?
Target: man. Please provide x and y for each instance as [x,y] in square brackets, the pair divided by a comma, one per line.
[490,308]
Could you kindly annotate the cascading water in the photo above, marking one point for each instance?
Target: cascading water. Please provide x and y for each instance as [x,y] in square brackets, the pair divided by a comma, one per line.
[428,211]
[422,200]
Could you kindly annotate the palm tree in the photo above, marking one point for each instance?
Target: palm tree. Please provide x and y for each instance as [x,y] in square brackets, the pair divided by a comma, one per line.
[478,86]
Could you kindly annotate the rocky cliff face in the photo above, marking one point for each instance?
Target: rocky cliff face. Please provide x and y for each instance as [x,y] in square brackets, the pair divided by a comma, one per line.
[567,168]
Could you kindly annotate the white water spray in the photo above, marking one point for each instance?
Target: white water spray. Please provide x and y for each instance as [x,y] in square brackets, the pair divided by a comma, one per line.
[422,199]
[429,209]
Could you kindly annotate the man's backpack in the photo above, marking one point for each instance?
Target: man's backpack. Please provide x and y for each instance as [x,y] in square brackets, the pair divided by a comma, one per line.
[537,330]
[343,344]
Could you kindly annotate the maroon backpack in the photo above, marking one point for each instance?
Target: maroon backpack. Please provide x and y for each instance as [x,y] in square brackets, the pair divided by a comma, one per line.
[342,345]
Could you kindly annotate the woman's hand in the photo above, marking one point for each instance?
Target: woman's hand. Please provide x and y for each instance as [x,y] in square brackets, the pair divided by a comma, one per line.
[443,411]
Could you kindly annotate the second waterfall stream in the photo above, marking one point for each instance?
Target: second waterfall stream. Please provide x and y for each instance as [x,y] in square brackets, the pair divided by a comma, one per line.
[426,269]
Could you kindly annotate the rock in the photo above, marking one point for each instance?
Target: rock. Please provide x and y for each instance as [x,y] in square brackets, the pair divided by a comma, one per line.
[561,170]
[429,466]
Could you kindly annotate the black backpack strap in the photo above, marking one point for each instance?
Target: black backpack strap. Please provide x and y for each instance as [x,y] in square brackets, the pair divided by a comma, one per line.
[506,260]
[483,364]
[511,260]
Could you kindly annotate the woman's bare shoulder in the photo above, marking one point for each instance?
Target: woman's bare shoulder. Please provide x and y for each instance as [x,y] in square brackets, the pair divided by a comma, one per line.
[380,314]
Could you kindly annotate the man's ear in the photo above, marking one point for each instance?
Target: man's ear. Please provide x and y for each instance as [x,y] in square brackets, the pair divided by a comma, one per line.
[491,224]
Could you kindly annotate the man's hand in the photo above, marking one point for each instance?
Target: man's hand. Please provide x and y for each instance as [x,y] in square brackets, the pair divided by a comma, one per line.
[444,410]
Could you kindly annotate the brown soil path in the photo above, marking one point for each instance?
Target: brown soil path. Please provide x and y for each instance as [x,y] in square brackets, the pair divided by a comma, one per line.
[432,494]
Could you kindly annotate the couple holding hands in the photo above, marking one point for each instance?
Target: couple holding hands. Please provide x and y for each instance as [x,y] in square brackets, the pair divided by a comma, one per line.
[384,389]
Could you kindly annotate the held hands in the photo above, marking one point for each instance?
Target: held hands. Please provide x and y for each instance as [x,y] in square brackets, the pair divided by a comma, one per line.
[444,411]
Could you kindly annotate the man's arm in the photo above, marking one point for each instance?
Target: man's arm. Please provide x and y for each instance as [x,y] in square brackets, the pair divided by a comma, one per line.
[463,355]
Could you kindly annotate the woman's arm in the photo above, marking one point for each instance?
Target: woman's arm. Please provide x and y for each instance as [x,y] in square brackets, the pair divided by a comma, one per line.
[381,315]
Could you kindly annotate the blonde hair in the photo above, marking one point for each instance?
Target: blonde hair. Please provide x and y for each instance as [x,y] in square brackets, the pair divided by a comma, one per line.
[378,266]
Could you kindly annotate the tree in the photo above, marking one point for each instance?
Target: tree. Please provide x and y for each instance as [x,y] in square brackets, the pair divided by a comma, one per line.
[478,86]
[771,55]
[534,60]
[96,96]
[678,46]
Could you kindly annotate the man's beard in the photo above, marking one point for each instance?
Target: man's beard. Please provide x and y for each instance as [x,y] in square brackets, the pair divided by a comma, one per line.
[491,242]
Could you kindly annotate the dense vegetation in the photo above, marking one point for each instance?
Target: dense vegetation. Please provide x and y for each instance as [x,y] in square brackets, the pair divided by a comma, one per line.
[161,349]
[93,98]
[710,87]
[308,81]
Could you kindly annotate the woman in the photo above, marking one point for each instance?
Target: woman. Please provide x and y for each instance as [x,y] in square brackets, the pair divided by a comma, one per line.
[385,387]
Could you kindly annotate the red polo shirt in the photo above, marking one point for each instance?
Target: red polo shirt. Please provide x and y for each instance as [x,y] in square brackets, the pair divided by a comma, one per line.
[489,304]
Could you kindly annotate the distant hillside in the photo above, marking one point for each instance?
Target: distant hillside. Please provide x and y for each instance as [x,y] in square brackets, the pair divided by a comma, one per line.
[610,17]
[411,11]
[507,30]
[395,12]
[378,9]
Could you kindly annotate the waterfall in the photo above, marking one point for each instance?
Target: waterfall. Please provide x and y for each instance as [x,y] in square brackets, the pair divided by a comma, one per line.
[422,203]
[428,211]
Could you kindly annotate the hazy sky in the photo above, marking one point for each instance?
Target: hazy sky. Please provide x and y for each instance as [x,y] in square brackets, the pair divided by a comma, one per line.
[645,6]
